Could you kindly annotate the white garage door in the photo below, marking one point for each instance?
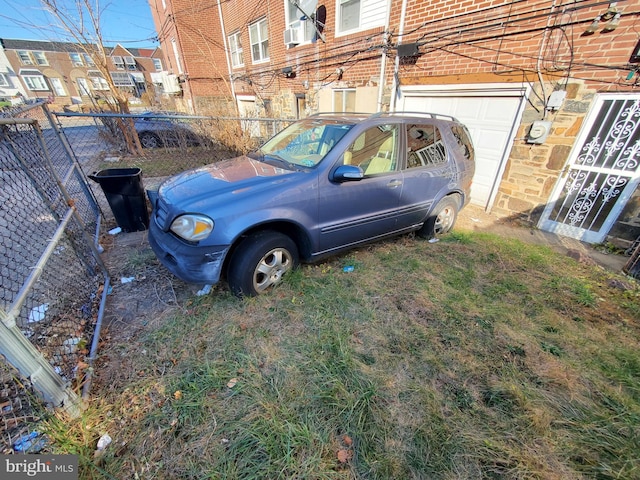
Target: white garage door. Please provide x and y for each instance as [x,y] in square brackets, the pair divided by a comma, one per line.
[491,115]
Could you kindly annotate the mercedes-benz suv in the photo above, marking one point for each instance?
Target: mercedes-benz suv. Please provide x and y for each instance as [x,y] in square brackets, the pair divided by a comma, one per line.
[324,184]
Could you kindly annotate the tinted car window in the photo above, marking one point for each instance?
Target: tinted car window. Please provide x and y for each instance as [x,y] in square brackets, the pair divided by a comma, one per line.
[461,134]
[425,146]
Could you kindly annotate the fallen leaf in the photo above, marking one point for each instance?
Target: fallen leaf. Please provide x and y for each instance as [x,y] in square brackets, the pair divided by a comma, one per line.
[344,456]
[177,394]
[347,440]
[232,383]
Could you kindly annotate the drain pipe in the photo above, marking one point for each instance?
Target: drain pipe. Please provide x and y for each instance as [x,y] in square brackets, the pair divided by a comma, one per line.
[383,58]
[226,56]
[543,45]
[396,68]
[96,338]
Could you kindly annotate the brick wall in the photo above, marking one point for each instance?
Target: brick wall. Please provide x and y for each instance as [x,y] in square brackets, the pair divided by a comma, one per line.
[459,42]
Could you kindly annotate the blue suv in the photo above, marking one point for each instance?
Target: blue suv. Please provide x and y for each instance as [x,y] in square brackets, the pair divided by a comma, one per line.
[324,184]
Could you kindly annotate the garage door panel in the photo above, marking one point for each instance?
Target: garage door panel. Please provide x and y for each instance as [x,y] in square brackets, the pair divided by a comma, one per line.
[490,121]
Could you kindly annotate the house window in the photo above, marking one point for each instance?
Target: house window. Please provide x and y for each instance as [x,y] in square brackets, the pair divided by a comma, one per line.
[157,64]
[130,62]
[118,62]
[34,80]
[121,79]
[344,100]
[235,46]
[4,80]
[300,18]
[259,39]
[76,59]
[40,58]
[88,60]
[348,15]
[97,81]
[25,58]
[58,87]
[83,86]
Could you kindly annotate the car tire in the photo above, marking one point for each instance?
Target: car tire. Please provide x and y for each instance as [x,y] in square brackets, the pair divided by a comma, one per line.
[259,263]
[149,140]
[442,218]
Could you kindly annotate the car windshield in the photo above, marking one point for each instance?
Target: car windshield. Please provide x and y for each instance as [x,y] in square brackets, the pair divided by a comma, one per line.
[304,143]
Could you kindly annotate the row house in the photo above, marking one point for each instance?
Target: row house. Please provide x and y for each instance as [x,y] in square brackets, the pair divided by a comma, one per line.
[550,89]
[64,74]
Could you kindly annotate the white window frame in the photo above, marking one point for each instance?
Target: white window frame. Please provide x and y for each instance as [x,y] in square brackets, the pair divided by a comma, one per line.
[4,80]
[157,64]
[76,59]
[294,15]
[235,50]
[340,17]
[40,58]
[57,85]
[88,60]
[83,86]
[130,63]
[25,57]
[97,80]
[118,62]
[259,40]
[35,81]
[344,92]
[119,79]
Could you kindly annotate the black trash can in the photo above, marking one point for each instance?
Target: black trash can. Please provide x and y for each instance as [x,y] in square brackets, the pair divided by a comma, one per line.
[126,196]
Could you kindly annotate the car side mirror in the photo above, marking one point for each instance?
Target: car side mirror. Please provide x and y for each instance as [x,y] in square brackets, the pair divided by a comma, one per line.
[348,173]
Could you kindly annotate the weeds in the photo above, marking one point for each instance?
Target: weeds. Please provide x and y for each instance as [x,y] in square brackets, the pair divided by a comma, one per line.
[474,357]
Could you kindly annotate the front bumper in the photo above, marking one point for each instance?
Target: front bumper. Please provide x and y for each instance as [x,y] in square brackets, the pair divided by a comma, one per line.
[190,263]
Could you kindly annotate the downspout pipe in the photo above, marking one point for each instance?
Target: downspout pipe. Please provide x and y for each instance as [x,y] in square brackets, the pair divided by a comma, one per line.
[383,58]
[226,56]
[396,68]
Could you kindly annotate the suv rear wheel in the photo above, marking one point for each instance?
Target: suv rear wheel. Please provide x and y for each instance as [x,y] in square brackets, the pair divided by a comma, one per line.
[442,218]
[260,262]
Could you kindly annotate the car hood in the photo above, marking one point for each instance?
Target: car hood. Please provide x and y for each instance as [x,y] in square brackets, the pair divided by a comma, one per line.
[235,176]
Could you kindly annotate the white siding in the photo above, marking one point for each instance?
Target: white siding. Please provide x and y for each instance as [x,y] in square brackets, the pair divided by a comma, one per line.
[374,13]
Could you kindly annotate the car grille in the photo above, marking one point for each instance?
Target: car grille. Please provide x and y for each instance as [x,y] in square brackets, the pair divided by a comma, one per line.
[161,213]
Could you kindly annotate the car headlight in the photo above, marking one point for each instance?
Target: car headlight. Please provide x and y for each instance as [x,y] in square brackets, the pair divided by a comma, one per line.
[192,227]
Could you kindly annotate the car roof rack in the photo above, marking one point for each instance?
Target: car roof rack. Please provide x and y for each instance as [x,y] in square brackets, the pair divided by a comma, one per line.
[417,114]
[437,116]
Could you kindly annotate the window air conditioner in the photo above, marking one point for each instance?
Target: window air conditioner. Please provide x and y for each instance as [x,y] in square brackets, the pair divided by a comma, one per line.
[294,34]
[170,84]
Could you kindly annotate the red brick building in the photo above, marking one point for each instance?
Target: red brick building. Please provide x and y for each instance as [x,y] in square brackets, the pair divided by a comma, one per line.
[549,89]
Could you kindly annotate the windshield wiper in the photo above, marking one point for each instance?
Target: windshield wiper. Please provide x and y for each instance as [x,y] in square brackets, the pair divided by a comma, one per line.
[272,158]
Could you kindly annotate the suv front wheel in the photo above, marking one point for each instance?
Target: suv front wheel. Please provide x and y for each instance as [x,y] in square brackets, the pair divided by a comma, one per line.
[260,262]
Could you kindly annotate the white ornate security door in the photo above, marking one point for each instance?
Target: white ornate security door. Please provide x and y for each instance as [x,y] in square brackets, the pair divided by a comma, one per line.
[601,173]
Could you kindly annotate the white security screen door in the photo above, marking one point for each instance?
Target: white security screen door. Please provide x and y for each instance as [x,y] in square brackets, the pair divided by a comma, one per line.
[601,173]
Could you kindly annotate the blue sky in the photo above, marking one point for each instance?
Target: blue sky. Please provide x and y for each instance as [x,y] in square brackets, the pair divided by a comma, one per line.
[127,22]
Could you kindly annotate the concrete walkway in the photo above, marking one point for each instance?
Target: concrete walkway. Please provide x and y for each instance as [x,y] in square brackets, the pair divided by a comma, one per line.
[474,218]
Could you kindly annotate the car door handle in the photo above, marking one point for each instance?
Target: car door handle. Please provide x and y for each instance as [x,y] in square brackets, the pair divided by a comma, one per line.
[394,183]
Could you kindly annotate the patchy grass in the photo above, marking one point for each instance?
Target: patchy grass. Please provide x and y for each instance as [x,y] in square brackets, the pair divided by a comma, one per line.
[474,357]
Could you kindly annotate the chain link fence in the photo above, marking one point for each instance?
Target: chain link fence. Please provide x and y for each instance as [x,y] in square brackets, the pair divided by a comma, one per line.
[169,143]
[53,282]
